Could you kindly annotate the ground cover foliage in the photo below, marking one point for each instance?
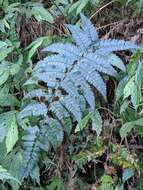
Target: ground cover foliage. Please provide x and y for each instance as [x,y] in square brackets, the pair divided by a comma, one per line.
[71,106]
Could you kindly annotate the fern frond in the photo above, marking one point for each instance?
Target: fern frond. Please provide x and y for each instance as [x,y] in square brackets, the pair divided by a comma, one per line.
[38,93]
[72,104]
[31,110]
[84,88]
[96,80]
[105,47]
[89,29]
[99,63]
[88,94]
[79,36]
[53,59]
[69,51]
[31,151]
[52,79]
[70,87]
[35,139]
[58,109]
[50,66]
[55,132]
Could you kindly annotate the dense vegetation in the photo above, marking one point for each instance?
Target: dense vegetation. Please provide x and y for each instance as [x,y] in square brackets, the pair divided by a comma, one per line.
[71,101]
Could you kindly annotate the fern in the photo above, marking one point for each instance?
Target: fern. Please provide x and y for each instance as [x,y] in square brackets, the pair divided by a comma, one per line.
[37,94]
[36,109]
[34,140]
[39,138]
[70,75]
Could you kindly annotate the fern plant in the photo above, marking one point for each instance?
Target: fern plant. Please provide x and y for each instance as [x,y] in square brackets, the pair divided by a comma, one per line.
[70,73]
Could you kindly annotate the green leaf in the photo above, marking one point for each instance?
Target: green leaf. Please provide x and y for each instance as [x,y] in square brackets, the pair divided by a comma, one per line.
[4,73]
[8,100]
[6,24]
[73,6]
[41,13]
[81,6]
[14,68]
[106,183]
[139,74]
[138,122]
[120,88]
[96,122]
[125,129]
[128,87]
[5,122]
[131,68]
[45,39]
[127,174]
[133,64]
[135,95]
[12,7]
[5,51]
[35,46]
[107,179]
[83,123]
[124,106]
[12,134]
[32,48]
[4,175]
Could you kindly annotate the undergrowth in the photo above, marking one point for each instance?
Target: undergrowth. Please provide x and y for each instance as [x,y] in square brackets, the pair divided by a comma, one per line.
[70,101]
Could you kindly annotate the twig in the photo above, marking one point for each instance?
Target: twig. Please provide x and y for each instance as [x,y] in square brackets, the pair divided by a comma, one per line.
[113,23]
[101,9]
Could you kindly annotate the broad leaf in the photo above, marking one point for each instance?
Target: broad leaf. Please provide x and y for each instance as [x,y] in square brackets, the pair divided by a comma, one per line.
[124,106]
[135,95]
[41,13]
[6,120]
[83,123]
[127,127]
[120,88]
[4,73]
[96,122]
[81,6]
[12,134]
[8,100]
[128,87]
